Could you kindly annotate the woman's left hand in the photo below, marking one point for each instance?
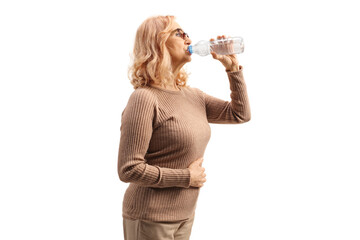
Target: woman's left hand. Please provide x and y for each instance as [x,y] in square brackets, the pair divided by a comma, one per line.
[230,62]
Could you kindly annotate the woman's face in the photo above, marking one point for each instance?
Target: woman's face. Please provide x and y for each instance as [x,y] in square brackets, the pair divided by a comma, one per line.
[177,45]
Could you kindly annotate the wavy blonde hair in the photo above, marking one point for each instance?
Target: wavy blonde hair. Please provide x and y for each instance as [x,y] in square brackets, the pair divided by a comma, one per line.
[151,60]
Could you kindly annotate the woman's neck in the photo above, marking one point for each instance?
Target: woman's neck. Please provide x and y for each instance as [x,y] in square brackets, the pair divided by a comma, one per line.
[169,87]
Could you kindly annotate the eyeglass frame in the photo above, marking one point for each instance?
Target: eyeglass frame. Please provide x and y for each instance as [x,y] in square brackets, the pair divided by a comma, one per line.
[183,34]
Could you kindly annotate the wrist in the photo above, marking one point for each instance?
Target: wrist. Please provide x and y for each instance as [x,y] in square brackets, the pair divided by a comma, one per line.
[233,68]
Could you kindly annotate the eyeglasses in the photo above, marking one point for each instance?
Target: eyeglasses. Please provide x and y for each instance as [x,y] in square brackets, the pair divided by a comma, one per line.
[181,33]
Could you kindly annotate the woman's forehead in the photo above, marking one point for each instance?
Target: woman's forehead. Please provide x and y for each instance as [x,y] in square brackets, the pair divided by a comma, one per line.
[175,25]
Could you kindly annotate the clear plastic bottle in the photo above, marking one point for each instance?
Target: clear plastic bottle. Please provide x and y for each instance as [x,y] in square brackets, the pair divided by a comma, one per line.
[227,46]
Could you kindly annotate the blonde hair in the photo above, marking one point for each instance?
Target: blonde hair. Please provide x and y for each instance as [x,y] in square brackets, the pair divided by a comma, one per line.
[151,61]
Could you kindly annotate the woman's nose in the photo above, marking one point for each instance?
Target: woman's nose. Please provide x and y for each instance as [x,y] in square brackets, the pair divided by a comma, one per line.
[188,41]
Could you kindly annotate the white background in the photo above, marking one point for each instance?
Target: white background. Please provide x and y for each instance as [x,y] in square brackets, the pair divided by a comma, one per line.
[292,172]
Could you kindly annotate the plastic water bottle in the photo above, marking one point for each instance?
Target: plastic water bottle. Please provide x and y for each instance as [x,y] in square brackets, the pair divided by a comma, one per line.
[227,46]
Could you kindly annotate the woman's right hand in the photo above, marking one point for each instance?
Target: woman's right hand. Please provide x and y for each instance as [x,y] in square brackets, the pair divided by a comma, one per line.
[197,175]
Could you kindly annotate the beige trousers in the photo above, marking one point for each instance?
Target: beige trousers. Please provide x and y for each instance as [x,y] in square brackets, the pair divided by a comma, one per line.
[148,230]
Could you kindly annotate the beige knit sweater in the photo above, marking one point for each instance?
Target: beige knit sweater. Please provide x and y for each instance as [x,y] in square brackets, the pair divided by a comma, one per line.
[162,133]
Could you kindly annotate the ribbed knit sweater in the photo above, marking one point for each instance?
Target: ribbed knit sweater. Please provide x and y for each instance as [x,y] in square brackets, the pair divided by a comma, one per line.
[162,132]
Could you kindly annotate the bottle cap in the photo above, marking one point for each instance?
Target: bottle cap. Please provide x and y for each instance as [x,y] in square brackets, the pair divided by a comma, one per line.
[190,50]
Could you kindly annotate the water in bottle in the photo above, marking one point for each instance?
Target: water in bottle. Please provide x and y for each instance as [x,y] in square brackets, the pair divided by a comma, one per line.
[227,46]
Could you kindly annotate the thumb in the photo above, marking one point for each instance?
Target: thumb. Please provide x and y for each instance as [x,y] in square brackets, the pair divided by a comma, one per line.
[217,56]
[214,55]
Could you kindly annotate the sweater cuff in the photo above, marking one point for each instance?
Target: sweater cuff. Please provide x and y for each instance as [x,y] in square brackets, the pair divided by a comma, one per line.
[176,177]
[236,76]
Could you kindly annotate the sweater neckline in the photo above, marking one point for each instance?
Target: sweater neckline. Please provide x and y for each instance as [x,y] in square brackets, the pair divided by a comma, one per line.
[167,90]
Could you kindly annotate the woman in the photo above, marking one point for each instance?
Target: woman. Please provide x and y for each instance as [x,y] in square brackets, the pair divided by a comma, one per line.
[165,130]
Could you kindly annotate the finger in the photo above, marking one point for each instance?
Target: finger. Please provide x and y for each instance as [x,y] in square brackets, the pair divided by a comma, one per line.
[214,55]
[217,56]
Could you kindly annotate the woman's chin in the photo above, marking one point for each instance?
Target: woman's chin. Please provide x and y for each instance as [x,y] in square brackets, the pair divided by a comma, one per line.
[186,59]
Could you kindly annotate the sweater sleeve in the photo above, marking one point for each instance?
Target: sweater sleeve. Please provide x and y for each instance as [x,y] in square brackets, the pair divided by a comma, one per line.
[137,122]
[236,111]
